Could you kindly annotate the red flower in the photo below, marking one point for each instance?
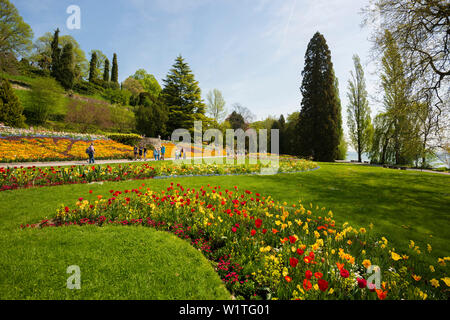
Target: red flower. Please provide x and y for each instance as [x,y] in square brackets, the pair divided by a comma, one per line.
[253,232]
[362,283]
[234,229]
[293,262]
[344,273]
[318,275]
[258,223]
[323,285]
[80,199]
[300,252]
[292,239]
[288,279]
[381,294]
[66,209]
[307,285]
[308,274]
[264,231]
[311,255]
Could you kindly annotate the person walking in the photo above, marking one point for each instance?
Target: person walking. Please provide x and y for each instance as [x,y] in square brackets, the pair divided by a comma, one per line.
[156,154]
[91,152]
[140,153]
[163,153]
[145,153]
[135,152]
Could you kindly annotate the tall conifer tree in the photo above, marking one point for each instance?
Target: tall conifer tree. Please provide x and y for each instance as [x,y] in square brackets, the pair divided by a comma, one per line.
[106,71]
[66,75]
[318,127]
[115,70]
[56,53]
[93,68]
[182,95]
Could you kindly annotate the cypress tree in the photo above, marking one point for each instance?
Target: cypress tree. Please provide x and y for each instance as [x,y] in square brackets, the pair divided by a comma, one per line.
[56,53]
[106,71]
[115,70]
[10,108]
[318,127]
[93,68]
[182,95]
[66,75]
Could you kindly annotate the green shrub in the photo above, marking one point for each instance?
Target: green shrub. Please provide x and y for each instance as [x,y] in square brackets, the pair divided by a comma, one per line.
[117,96]
[46,97]
[127,139]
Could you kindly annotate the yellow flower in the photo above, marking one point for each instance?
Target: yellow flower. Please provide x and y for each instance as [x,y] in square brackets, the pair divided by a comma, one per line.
[331,291]
[429,248]
[362,230]
[417,278]
[441,262]
[411,244]
[349,242]
[447,281]
[363,252]
[366,263]
[434,283]
[395,256]
[432,269]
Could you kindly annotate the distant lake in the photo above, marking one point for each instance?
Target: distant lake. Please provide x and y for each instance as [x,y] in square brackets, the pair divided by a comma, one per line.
[353,155]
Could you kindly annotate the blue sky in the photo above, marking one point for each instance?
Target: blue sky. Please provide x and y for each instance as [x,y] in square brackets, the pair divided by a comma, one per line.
[251,50]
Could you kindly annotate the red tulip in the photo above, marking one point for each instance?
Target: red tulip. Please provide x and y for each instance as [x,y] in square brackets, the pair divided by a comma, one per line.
[293,262]
[323,285]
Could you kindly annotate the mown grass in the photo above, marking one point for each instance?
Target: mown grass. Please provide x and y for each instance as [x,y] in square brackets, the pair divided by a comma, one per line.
[402,206]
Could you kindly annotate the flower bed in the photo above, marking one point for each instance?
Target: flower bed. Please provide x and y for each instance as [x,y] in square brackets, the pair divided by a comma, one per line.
[263,249]
[23,149]
[16,178]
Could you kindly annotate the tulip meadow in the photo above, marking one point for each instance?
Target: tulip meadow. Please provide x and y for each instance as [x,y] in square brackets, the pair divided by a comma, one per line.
[265,249]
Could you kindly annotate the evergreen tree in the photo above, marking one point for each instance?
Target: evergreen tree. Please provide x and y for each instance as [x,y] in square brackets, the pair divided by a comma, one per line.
[359,121]
[342,147]
[93,68]
[151,116]
[182,95]
[115,70]
[318,128]
[106,71]
[10,107]
[56,54]
[66,76]
[236,121]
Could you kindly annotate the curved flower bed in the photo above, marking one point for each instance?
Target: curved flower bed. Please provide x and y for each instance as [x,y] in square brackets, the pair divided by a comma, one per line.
[16,178]
[21,149]
[264,249]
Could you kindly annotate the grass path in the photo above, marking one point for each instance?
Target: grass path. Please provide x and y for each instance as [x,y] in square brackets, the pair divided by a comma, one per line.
[402,205]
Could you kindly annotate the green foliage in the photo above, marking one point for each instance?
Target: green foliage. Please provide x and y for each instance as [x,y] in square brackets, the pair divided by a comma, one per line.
[66,76]
[148,82]
[182,95]
[216,105]
[236,121]
[15,35]
[117,96]
[319,130]
[396,138]
[115,70]
[42,53]
[130,139]
[151,117]
[55,54]
[46,96]
[88,88]
[359,121]
[106,71]
[10,106]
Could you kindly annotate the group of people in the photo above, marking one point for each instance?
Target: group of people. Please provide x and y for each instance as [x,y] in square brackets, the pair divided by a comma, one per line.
[140,153]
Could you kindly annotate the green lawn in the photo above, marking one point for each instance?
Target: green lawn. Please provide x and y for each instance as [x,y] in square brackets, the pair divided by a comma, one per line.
[402,206]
